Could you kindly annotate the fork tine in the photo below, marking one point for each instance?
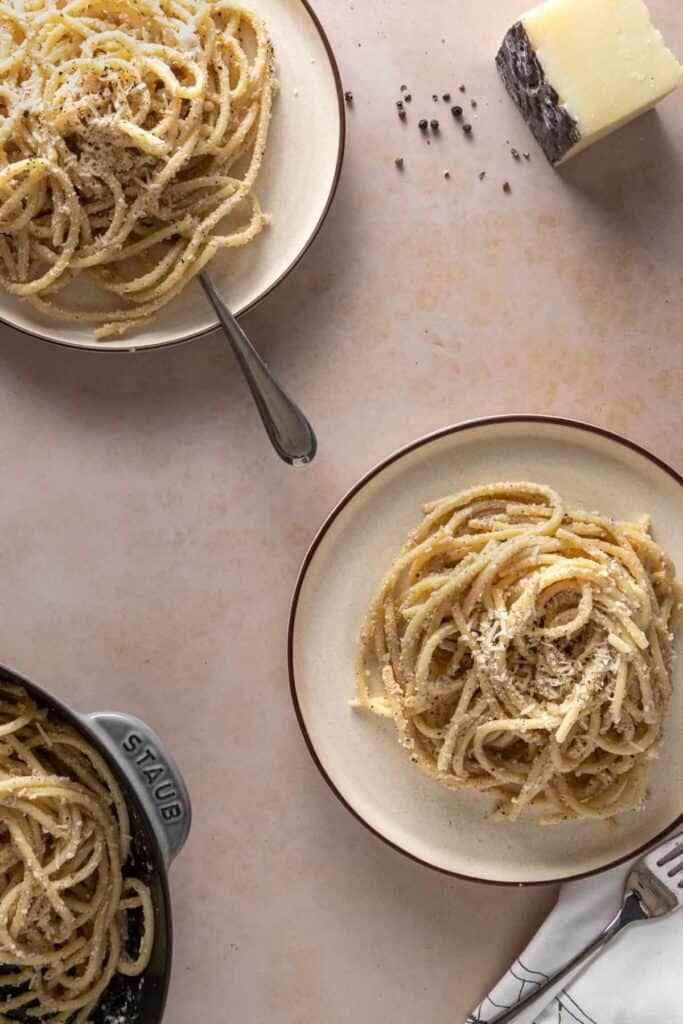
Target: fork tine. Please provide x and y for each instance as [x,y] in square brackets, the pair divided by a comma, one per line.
[675,852]
[676,868]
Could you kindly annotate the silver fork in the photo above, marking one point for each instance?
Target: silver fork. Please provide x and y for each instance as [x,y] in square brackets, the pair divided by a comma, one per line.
[654,888]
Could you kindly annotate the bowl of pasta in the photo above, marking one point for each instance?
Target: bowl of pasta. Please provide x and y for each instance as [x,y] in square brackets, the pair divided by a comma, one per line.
[92,813]
[141,142]
[482,649]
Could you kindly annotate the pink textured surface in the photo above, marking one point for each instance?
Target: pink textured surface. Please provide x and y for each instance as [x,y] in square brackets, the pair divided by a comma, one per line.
[150,539]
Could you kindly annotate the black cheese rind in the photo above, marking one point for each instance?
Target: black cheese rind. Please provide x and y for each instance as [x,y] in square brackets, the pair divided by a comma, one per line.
[552,125]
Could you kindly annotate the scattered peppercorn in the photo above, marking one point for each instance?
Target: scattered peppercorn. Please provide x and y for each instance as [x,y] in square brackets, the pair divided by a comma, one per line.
[435,97]
[482,175]
[474,104]
[402,114]
[446,97]
[407,97]
[434,125]
[446,174]
[348,96]
[527,156]
[515,153]
[399,104]
[506,187]
[456,111]
[399,162]
[467,128]
[403,88]
[463,89]
[422,124]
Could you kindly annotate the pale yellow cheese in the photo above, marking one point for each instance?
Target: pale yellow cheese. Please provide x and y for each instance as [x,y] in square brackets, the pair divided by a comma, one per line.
[604,58]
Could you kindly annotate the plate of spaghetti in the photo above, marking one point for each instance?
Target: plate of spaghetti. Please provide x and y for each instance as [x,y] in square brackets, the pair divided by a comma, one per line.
[482,649]
[140,142]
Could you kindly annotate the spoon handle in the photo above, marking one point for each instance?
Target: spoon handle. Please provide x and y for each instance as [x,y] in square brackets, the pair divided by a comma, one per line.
[291,434]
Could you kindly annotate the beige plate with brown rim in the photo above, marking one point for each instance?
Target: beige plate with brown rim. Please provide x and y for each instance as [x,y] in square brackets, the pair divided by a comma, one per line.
[296,186]
[357,753]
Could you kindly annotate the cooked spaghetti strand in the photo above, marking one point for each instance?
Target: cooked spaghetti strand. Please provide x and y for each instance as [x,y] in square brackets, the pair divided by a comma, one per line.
[64,837]
[131,137]
[524,648]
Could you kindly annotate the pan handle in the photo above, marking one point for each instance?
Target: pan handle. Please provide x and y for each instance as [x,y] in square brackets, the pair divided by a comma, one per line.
[151,773]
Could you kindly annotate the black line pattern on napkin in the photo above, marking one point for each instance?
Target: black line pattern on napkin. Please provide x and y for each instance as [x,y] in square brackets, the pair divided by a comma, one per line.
[568,1010]
[476,1018]
[536,979]
[526,981]
[529,970]
[573,1012]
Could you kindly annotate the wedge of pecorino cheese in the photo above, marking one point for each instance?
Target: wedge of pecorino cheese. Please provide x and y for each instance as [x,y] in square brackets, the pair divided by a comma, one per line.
[580,69]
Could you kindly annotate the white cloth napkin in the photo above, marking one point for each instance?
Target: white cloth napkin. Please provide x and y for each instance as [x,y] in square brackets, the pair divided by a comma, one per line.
[637,979]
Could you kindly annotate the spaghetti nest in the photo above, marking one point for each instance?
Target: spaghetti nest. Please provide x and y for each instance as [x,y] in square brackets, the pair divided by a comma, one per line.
[64,905]
[131,136]
[523,648]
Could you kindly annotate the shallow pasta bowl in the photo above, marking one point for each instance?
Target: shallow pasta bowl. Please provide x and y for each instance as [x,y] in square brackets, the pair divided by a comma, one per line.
[160,815]
[358,754]
[296,186]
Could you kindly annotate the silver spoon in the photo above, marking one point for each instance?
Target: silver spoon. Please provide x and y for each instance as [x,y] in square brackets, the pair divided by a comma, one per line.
[290,433]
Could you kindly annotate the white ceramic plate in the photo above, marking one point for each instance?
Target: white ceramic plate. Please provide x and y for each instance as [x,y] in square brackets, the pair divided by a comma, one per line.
[357,753]
[296,186]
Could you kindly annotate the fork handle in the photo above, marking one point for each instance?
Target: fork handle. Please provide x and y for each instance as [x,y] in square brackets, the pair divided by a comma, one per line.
[631,911]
